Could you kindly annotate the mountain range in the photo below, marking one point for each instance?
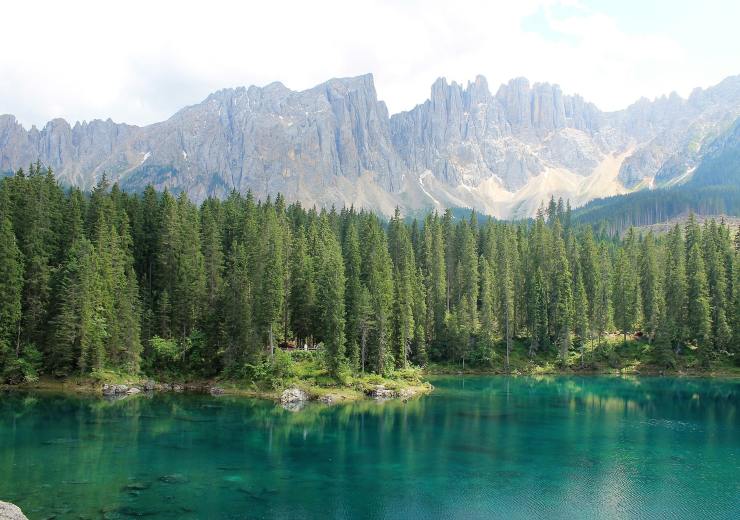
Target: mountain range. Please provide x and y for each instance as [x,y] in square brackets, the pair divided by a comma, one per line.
[501,153]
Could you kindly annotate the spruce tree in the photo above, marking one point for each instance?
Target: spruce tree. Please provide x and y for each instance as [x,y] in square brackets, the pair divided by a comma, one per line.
[698,313]
[674,318]
[11,285]
[353,291]
[330,298]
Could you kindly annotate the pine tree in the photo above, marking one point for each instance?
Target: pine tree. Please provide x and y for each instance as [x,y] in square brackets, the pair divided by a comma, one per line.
[540,339]
[435,278]
[674,318]
[650,285]
[270,278]
[189,288]
[715,255]
[353,291]
[580,313]
[330,298]
[11,285]
[698,312]
[562,293]
[624,312]
[602,305]
[590,273]
[377,275]
[240,342]
[302,300]
[505,281]
[404,272]
[213,267]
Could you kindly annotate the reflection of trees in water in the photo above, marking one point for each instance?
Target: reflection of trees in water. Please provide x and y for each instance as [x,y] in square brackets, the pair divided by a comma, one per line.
[100,454]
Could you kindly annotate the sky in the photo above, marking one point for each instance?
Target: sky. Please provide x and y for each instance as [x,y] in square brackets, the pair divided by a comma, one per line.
[140,61]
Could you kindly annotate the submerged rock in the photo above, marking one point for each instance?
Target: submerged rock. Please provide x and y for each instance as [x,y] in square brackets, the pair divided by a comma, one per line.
[10,511]
[295,406]
[331,398]
[293,395]
[175,478]
[216,390]
[137,486]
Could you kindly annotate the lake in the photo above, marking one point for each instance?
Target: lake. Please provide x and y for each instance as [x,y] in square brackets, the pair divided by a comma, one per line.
[478,447]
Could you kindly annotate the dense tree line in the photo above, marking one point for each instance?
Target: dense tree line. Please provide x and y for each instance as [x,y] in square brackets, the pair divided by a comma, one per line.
[614,215]
[153,282]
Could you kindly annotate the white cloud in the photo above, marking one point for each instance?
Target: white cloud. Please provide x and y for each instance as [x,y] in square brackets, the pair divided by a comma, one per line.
[139,61]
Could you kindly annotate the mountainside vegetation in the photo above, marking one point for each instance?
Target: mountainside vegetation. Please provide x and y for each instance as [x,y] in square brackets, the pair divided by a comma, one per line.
[153,284]
[713,188]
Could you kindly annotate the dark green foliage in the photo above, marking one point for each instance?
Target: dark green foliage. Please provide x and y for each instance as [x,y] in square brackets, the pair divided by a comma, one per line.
[149,282]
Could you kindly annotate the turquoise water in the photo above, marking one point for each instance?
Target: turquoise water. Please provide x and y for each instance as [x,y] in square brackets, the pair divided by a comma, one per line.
[478,447]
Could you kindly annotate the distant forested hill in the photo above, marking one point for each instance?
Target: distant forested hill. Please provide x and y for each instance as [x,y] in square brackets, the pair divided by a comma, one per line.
[713,189]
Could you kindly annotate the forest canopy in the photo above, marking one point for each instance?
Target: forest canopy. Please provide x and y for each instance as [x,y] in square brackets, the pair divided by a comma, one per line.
[144,282]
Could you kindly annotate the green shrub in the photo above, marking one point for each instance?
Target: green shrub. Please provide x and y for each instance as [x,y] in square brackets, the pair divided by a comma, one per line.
[302,355]
[24,369]
[165,352]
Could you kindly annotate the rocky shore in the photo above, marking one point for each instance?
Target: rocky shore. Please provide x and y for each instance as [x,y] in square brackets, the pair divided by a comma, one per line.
[10,511]
[293,396]
[124,390]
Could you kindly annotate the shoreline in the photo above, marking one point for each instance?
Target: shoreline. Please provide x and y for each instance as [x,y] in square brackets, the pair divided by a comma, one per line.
[446,370]
[309,392]
[328,395]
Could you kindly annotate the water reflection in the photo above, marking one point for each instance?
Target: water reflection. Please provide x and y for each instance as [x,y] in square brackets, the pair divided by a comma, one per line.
[477,447]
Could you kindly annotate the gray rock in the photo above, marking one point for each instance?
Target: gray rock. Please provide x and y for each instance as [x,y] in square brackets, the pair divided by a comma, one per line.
[336,144]
[293,395]
[10,511]
[296,406]
[176,478]
[133,390]
[330,398]
[113,390]
[406,393]
[381,392]
[149,385]
[216,390]
[176,387]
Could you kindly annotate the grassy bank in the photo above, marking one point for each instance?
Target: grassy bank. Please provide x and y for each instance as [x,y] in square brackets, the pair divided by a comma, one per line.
[307,371]
[267,380]
[611,356]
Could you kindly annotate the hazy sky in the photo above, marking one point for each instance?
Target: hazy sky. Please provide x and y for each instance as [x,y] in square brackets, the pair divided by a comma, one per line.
[140,61]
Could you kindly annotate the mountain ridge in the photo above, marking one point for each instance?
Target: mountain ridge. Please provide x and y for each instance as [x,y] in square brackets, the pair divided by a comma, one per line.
[336,143]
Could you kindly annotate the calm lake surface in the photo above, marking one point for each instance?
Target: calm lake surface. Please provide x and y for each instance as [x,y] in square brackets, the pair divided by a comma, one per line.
[478,447]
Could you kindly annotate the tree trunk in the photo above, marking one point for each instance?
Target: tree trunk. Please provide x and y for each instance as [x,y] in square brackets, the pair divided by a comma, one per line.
[508,339]
[18,341]
[364,344]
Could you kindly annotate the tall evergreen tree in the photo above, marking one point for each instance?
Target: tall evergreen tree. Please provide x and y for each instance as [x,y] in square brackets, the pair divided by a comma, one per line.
[330,298]
[698,313]
[11,285]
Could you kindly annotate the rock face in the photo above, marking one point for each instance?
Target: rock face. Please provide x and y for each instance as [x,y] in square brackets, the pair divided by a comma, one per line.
[11,512]
[336,144]
[293,395]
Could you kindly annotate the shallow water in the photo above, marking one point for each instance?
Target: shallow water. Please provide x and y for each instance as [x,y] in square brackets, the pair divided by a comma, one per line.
[478,447]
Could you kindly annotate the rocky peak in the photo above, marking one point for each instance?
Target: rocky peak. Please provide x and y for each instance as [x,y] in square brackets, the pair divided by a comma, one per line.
[336,144]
